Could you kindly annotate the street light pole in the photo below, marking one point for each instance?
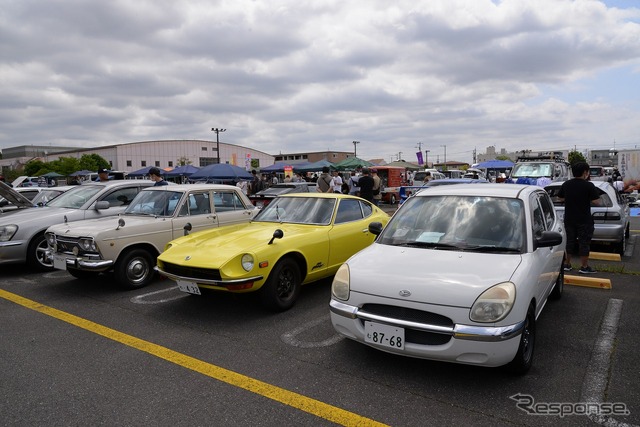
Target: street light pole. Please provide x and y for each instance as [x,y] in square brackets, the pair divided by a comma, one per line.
[445,156]
[217,131]
[355,144]
[426,160]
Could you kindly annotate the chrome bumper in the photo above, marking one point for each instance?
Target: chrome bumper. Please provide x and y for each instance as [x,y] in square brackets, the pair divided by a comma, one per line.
[221,282]
[461,332]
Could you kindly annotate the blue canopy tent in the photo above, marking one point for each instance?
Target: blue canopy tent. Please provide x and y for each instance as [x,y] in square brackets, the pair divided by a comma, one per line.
[276,167]
[140,172]
[184,170]
[221,172]
[495,164]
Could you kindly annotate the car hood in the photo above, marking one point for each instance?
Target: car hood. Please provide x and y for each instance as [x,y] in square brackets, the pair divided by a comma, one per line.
[442,277]
[44,215]
[14,197]
[95,227]
[207,247]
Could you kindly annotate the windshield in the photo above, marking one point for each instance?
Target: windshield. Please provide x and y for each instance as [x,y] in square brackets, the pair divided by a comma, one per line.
[532,170]
[298,210]
[76,197]
[156,203]
[45,195]
[474,223]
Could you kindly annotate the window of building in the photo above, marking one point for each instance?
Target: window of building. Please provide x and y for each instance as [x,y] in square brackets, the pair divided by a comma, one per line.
[206,161]
[204,148]
[143,163]
[128,163]
[170,163]
[157,163]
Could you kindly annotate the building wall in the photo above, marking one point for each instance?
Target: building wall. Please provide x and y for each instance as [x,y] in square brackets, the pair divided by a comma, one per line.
[133,156]
[330,156]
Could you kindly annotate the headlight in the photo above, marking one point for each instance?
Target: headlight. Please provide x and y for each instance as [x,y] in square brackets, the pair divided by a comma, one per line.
[494,304]
[87,244]
[247,262]
[340,285]
[51,239]
[7,232]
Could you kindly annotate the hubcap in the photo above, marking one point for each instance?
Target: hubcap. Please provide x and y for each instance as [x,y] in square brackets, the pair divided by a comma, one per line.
[137,270]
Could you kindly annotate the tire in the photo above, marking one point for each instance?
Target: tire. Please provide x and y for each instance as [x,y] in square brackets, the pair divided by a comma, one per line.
[621,246]
[524,356]
[82,274]
[36,258]
[282,288]
[393,199]
[134,269]
[558,288]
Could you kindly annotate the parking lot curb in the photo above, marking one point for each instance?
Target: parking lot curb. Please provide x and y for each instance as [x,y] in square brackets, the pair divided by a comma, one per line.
[589,282]
[604,256]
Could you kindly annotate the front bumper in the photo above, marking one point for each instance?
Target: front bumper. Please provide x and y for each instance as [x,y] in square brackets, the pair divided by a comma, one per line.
[219,283]
[82,263]
[476,345]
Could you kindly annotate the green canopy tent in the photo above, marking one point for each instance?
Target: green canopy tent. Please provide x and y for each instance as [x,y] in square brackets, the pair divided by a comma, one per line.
[314,167]
[352,163]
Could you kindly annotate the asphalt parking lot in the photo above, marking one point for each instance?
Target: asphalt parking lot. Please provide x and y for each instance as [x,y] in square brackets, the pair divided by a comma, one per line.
[78,353]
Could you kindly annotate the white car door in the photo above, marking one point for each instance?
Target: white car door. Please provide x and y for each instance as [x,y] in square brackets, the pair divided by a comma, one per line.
[230,208]
[195,209]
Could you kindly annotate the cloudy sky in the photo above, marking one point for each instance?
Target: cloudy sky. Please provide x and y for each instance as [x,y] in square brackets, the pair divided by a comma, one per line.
[286,76]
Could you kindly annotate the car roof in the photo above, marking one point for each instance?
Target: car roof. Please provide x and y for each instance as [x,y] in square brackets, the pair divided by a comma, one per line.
[600,184]
[496,190]
[188,187]
[438,182]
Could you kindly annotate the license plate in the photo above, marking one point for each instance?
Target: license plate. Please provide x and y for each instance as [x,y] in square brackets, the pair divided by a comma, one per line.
[384,335]
[59,262]
[189,287]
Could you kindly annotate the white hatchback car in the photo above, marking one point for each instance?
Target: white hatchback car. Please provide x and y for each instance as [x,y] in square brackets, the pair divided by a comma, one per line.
[129,244]
[460,274]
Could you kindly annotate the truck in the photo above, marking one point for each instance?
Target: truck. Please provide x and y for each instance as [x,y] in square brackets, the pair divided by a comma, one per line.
[393,177]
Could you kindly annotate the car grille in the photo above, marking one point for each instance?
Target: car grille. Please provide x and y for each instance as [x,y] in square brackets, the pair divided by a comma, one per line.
[191,272]
[66,244]
[411,315]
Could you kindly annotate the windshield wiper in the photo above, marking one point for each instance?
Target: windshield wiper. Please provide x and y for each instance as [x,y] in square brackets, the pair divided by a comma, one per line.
[434,245]
[491,248]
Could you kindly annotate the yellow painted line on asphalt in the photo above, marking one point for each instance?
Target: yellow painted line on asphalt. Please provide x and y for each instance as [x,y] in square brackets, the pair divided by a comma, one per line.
[604,256]
[589,282]
[286,397]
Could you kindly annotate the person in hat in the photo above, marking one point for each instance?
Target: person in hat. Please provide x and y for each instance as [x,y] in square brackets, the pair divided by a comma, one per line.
[366,183]
[103,175]
[156,176]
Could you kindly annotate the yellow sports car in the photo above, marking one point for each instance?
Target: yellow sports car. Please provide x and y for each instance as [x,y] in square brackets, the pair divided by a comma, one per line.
[296,239]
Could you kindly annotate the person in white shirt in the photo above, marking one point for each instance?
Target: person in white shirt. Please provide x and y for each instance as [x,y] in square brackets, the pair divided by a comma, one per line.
[337,182]
[618,184]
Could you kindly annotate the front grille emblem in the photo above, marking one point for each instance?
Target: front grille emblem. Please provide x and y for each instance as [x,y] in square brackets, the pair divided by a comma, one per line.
[405,293]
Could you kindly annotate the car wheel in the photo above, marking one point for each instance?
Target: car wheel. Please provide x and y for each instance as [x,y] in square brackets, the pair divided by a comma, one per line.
[134,269]
[282,288]
[621,246]
[36,254]
[393,199]
[556,293]
[82,274]
[524,356]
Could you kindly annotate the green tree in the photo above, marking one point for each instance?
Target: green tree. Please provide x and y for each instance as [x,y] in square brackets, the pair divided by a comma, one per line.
[33,167]
[65,165]
[93,162]
[183,161]
[502,157]
[575,157]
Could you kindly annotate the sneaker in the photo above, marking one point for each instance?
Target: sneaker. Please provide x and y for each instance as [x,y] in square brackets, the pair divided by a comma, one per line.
[567,267]
[586,270]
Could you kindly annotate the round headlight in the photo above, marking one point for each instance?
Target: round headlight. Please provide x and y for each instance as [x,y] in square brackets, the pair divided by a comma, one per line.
[340,286]
[247,262]
[494,304]
[87,245]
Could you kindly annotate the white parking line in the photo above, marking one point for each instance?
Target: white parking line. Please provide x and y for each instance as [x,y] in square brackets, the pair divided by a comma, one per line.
[290,337]
[141,299]
[597,375]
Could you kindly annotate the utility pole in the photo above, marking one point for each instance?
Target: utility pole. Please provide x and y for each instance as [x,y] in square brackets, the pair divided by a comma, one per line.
[355,144]
[445,157]
[426,161]
[217,131]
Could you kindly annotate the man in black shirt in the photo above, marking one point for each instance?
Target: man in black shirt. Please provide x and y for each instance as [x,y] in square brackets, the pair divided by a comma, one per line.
[578,194]
[366,184]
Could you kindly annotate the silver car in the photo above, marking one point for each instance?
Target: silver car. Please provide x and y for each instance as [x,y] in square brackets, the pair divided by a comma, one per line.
[129,244]
[610,217]
[22,231]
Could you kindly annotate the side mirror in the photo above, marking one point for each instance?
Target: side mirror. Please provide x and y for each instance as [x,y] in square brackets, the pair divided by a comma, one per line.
[547,239]
[101,205]
[187,228]
[375,228]
[278,234]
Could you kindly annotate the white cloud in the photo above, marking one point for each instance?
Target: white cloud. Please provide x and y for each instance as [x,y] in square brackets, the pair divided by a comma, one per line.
[309,75]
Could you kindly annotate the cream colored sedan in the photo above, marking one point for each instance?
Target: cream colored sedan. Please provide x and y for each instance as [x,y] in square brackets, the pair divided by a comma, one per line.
[129,244]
